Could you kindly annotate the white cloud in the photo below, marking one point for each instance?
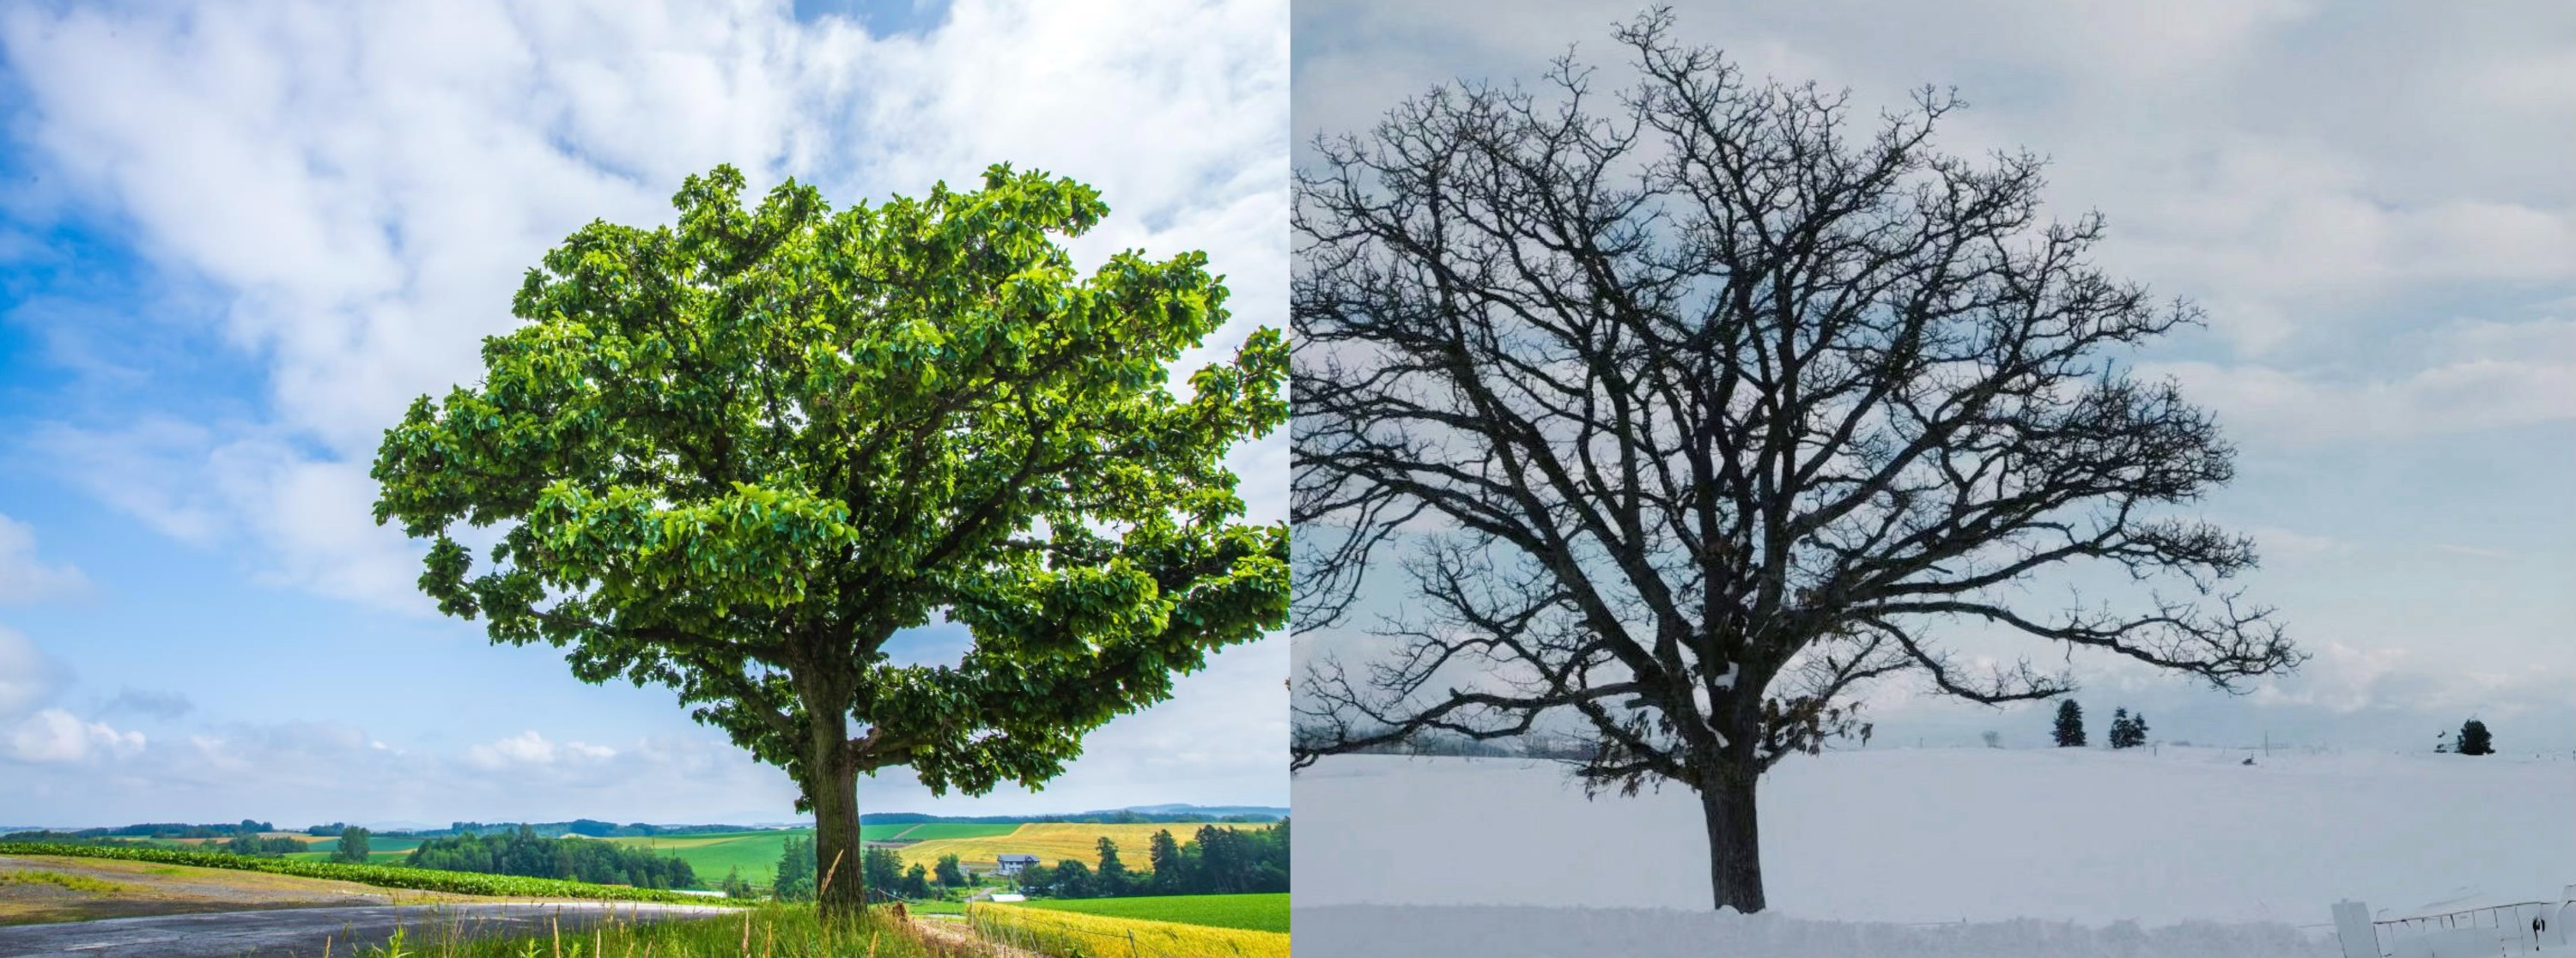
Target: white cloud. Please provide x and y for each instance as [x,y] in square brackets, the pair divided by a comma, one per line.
[54,735]
[2276,542]
[309,517]
[24,580]
[2345,678]
[530,748]
[2263,402]
[27,677]
[363,186]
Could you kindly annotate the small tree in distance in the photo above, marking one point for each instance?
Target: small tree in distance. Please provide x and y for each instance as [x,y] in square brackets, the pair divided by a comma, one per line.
[2070,725]
[1993,738]
[2474,739]
[353,845]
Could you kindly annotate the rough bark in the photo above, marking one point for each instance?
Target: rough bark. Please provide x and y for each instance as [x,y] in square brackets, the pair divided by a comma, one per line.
[833,787]
[1734,840]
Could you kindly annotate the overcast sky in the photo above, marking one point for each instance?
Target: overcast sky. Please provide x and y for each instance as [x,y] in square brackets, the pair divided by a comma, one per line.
[235,239]
[2373,204]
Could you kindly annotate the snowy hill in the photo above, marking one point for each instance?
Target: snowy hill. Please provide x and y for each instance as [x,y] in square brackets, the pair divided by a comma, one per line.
[1943,835]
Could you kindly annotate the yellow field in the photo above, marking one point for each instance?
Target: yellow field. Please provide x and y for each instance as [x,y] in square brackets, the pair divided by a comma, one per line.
[1072,933]
[1052,842]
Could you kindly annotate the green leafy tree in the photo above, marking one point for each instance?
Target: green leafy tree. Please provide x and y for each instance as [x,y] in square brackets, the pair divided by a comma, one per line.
[735,886]
[1073,880]
[735,456]
[916,881]
[2475,740]
[353,845]
[950,873]
[1035,879]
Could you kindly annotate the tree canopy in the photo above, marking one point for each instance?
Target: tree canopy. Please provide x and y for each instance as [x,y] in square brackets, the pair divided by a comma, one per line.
[736,455]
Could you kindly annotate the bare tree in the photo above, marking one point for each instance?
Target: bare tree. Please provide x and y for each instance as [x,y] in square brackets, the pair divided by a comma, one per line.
[1689,413]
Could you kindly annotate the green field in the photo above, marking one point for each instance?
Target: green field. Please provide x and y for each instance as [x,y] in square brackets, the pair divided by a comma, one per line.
[374,857]
[1250,912]
[375,845]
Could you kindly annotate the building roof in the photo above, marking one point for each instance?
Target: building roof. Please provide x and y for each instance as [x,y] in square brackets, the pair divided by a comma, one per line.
[1028,859]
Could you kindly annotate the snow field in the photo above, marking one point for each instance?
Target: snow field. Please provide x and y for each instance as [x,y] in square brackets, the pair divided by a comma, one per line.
[2087,836]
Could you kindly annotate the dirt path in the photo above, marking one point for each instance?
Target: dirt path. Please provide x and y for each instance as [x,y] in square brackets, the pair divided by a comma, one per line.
[952,933]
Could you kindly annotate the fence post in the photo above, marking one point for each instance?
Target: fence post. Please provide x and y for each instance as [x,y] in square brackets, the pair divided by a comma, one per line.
[2353,931]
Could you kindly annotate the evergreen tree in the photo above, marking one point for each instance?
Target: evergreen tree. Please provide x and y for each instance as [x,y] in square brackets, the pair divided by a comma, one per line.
[1171,873]
[2070,724]
[735,886]
[879,868]
[2474,739]
[1111,881]
[795,881]
[2127,731]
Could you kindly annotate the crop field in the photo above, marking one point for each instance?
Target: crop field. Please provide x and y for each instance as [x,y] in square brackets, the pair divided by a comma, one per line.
[927,831]
[374,856]
[1249,912]
[712,855]
[381,876]
[375,845]
[1072,933]
[1051,842]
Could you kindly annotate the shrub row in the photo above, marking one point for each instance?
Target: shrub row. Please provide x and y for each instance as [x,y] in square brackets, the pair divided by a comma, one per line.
[382,876]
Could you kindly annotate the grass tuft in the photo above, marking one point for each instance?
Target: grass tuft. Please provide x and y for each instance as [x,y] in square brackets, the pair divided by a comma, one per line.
[767,931]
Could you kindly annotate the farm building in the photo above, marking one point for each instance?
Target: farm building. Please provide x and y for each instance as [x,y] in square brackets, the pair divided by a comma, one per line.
[1011,864]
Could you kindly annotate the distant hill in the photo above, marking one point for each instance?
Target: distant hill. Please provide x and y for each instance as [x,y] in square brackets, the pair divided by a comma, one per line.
[594,828]
[1137,815]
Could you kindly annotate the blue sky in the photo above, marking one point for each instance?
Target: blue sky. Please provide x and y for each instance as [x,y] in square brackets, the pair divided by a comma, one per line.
[2370,201]
[236,239]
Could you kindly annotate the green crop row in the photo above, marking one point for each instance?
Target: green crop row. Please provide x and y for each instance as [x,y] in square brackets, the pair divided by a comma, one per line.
[381,876]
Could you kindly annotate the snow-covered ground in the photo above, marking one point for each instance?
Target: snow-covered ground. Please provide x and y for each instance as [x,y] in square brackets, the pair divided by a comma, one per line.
[2087,836]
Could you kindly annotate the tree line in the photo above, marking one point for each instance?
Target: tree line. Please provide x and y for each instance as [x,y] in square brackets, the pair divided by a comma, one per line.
[1216,861]
[528,854]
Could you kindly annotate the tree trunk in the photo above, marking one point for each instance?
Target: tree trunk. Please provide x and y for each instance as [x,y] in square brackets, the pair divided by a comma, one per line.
[835,794]
[1734,840]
